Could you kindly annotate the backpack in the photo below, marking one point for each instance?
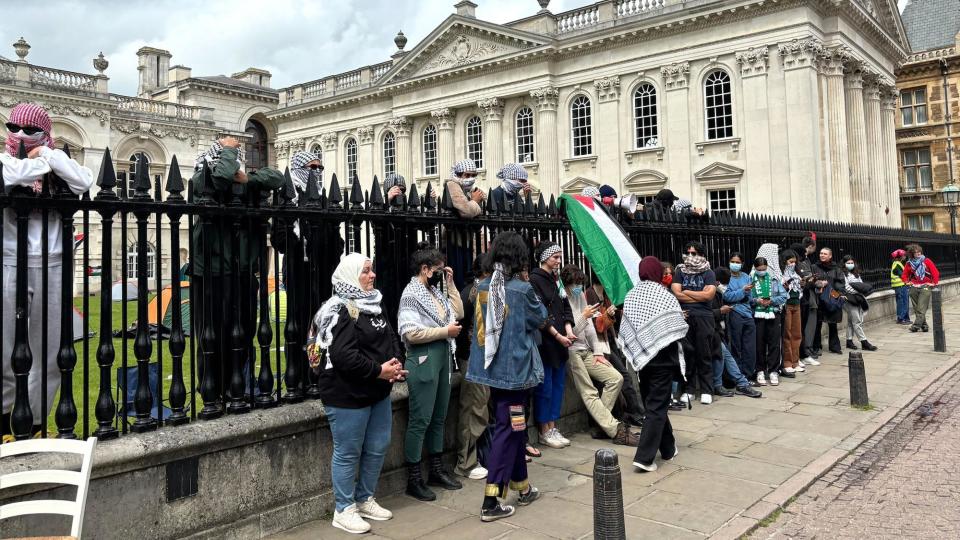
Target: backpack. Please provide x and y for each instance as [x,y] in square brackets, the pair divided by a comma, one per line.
[315,354]
[831,301]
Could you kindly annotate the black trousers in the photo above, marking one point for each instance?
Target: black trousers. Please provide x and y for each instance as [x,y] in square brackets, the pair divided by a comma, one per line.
[630,402]
[834,335]
[804,317]
[706,346]
[769,340]
[656,379]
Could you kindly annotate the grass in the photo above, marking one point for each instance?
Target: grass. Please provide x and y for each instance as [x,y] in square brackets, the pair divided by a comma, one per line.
[771,519]
[866,408]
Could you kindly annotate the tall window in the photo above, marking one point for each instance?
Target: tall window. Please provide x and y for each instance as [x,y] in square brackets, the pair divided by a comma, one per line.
[351,159]
[719,105]
[913,106]
[723,201]
[317,150]
[389,154]
[916,170]
[645,116]
[256,145]
[151,256]
[430,150]
[475,141]
[525,134]
[580,119]
[920,222]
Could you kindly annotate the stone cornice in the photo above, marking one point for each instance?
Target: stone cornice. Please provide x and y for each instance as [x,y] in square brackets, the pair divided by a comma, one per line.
[58,104]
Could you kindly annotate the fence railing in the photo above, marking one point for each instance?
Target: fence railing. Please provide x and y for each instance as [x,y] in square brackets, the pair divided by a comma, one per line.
[230,337]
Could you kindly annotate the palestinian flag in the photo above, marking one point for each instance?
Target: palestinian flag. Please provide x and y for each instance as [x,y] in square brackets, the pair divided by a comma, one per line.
[611,254]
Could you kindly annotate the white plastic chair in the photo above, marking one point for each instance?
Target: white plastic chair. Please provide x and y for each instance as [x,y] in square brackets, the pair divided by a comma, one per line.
[81,479]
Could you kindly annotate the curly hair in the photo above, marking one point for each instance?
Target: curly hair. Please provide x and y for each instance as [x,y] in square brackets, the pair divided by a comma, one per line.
[510,250]
[702,251]
[425,254]
[571,274]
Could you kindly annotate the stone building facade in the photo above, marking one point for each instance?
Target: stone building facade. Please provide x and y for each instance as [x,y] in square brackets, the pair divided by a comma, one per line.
[777,107]
[929,104]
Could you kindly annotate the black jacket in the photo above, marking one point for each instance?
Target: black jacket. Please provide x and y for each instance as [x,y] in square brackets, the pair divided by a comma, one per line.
[358,349]
[558,315]
[505,201]
[831,273]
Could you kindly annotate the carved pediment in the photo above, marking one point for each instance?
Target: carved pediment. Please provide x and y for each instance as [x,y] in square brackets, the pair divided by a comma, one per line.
[718,172]
[575,186]
[645,181]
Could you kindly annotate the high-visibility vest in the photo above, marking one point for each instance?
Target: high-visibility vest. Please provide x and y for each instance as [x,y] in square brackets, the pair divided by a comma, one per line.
[895,272]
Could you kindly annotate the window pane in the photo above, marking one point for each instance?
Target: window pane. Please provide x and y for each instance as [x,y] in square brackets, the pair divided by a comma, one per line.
[389,154]
[723,200]
[581,132]
[926,181]
[926,222]
[910,175]
[923,156]
[718,108]
[909,157]
[645,116]
[920,96]
[921,113]
[525,136]
[913,223]
[906,116]
[475,141]
[351,160]
[906,98]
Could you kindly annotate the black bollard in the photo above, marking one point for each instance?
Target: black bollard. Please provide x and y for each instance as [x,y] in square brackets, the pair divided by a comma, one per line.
[936,302]
[858,381]
[608,518]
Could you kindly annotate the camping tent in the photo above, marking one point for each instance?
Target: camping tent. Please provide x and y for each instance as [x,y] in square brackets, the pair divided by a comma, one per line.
[116,292]
[164,301]
[78,325]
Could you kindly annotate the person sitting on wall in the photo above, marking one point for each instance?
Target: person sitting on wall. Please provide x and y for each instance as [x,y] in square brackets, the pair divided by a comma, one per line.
[30,126]
[465,199]
[513,187]
[665,203]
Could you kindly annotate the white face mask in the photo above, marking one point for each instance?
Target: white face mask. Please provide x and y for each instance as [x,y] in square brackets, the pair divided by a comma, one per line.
[29,140]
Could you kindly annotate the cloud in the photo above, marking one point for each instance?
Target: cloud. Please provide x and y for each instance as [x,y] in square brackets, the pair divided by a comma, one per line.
[296,41]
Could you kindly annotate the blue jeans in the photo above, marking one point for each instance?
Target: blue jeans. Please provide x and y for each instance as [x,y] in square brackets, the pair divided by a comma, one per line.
[903,303]
[548,396]
[743,342]
[360,439]
[729,363]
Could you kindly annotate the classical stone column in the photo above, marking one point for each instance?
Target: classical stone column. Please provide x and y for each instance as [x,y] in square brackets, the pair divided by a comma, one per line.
[678,140]
[548,155]
[857,141]
[891,173]
[606,140]
[757,139]
[401,128]
[876,192]
[331,165]
[365,165]
[838,202]
[807,184]
[446,145]
[492,136]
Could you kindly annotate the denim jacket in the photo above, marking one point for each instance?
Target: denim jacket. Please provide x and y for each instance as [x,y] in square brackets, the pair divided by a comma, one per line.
[737,298]
[517,364]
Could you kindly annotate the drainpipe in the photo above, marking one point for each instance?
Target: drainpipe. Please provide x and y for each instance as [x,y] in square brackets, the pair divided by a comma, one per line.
[947,120]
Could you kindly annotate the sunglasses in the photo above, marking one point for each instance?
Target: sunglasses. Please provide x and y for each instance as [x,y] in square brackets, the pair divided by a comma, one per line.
[316,167]
[27,130]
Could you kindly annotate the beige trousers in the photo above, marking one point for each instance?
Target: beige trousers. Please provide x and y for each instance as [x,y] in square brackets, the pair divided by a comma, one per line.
[584,370]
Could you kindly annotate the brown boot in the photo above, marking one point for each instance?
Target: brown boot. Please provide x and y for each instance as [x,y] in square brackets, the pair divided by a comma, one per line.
[625,437]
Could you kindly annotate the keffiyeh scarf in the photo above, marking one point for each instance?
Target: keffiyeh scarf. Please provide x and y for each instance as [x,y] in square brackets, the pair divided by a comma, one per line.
[652,320]
[549,252]
[212,156]
[591,192]
[762,290]
[496,313]
[299,170]
[693,264]
[464,166]
[791,280]
[418,310]
[512,174]
[346,293]
[30,115]
[772,255]
[919,268]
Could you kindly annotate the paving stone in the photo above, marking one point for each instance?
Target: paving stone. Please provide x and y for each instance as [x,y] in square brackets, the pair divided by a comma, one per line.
[643,529]
[562,518]
[806,441]
[715,487]
[728,412]
[683,510]
[413,519]
[751,432]
[807,424]
[804,396]
[735,465]
[783,455]
[471,527]
[723,444]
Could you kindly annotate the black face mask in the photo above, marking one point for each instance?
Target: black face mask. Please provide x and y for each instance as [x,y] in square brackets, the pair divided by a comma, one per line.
[434,280]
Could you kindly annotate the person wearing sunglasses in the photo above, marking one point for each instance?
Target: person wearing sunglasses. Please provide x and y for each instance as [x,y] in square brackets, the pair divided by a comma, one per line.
[513,187]
[30,126]
[695,285]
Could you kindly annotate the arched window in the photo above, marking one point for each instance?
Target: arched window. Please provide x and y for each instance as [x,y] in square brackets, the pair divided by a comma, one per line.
[430,150]
[351,147]
[645,116]
[255,145]
[389,154]
[525,136]
[580,123]
[132,254]
[475,141]
[135,161]
[718,105]
[317,150]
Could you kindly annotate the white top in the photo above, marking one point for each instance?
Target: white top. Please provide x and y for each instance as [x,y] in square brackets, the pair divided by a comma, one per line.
[24,172]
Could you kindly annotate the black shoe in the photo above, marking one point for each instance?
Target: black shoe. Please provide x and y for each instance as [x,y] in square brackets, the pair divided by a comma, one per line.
[867,346]
[676,405]
[816,353]
[525,499]
[788,375]
[748,391]
[924,327]
[439,477]
[633,420]
[497,512]
[838,350]
[851,345]
[415,486]
[914,328]
[722,392]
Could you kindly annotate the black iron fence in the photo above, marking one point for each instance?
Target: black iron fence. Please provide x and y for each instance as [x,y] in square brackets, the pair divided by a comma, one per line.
[261,262]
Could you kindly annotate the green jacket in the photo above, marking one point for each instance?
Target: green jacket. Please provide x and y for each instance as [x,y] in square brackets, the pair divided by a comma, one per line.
[266,180]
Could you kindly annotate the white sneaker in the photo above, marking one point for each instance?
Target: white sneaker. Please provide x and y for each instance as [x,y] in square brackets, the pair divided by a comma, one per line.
[789,370]
[774,379]
[559,436]
[801,369]
[647,468]
[349,520]
[761,378]
[478,473]
[371,510]
[706,399]
[801,363]
[685,398]
[551,441]
[811,362]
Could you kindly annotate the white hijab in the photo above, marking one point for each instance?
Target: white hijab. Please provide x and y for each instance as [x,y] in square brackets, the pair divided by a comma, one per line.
[346,289]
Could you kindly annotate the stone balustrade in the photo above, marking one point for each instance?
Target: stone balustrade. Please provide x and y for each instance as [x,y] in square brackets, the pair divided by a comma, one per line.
[155,108]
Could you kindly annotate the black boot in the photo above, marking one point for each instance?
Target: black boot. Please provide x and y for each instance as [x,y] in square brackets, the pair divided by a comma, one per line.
[439,477]
[851,345]
[867,346]
[415,485]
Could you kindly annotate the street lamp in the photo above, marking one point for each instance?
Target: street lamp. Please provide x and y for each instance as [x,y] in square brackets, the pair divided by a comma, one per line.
[951,196]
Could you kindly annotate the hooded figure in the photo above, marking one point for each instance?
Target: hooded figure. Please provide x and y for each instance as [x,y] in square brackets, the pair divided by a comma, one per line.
[30,125]
[513,183]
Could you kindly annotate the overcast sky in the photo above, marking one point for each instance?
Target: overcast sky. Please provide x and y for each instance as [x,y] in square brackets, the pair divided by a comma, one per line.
[297,41]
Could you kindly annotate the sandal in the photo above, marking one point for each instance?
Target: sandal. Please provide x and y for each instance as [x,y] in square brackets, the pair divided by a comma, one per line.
[532,452]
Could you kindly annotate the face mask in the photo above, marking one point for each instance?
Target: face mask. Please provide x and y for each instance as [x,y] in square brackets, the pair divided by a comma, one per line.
[790,267]
[761,273]
[667,280]
[29,141]
[468,183]
[850,266]
[577,291]
[735,267]
[434,280]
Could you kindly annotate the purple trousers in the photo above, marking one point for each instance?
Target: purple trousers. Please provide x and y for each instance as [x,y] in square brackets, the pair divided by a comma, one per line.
[506,462]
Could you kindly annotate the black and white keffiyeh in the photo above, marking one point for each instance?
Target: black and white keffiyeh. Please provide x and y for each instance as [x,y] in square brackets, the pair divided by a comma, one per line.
[591,191]
[464,166]
[299,170]
[212,156]
[496,313]
[652,320]
[346,293]
[513,176]
[693,265]
[549,252]
[418,310]
[771,253]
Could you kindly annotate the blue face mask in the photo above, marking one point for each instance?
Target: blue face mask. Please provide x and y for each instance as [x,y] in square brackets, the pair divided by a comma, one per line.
[850,266]
[577,291]
[735,267]
[761,273]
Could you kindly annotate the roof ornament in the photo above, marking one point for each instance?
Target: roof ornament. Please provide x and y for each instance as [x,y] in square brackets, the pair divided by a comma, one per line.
[543,4]
[400,41]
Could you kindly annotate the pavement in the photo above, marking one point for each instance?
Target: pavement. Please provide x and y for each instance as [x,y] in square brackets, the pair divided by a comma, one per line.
[740,462]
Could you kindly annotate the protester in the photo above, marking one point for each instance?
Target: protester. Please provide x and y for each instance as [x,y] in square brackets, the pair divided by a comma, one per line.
[587,363]
[556,338]
[792,328]
[829,282]
[465,199]
[856,304]
[767,297]
[474,416]
[667,279]
[513,186]
[30,126]
[726,363]
[920,274]
[806,252]
[591,191]
[743,328]
[428,325]
[695,285]
[504,356]
[665,203]
[652,327]
[900,289]
[362,363]
[394,244]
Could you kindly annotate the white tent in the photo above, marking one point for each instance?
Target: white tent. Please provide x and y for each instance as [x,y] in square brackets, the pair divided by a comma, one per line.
[78,325]
[116,292]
